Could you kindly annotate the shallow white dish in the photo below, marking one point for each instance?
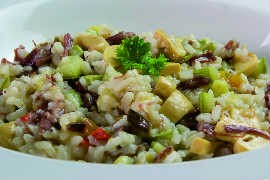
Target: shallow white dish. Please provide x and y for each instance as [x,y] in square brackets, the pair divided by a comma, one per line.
[39,20]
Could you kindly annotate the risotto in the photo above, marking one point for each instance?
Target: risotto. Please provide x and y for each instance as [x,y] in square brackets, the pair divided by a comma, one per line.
[110,96]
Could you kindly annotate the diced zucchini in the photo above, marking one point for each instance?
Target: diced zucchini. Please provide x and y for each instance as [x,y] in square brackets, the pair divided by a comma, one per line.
[176,106]
[201,146]
[170,68]
[248,65]
[76,50]
[110,55]
[124,160]
[6,134]
[157,147]
[210,72]
[164,87]
[87,80]
[110,73]
[220,87]
[4,82]
[70,67]
[261,68]
[206,102]
[91,42]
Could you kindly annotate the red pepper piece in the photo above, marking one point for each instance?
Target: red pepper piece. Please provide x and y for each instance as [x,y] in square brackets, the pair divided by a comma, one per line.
[100,134]
[25,118]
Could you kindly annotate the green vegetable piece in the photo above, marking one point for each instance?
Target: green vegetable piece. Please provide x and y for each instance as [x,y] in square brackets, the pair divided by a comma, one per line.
[209,72]
[206,44]
[157,147]
[124,160]
[76,50]
[110,73]
[220,87]
[206,102]
[70,67]
[87,80]
[134,53]
[261,68]
[4,82]
[73,97]
[165,134]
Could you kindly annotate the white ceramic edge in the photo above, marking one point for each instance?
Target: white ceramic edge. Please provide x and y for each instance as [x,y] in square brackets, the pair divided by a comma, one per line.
[135,172]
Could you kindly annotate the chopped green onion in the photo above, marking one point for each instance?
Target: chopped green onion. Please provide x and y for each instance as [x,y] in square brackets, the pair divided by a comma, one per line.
[76,50]
[206,102]
[209,72]
[220,87]
[123,160]
[261,68]
[157,147]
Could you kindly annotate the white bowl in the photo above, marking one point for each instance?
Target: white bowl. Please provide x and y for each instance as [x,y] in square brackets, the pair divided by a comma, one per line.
[40,20]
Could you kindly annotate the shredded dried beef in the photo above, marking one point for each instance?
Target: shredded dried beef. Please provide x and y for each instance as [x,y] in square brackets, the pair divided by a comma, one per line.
[117,38]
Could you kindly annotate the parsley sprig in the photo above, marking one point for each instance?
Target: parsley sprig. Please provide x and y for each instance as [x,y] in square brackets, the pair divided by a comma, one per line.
[134,53]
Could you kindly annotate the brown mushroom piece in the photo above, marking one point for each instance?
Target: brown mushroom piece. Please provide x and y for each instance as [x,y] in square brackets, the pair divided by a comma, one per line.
[139,125]
[172,48]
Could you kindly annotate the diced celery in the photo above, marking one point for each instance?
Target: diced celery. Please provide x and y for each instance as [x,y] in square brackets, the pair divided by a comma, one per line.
[157,147]
[210,72]
[99,30]
[85,68]
[110,73]
[73,97]
[206,102]
[124,160]
[206,44]
[4,82]
[261,68]
[165,134]
[87,80]
[70,67]
[76,50]
[225,65]
[220,87]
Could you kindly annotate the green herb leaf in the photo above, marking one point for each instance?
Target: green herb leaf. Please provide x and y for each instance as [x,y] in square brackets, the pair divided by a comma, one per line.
[134,53]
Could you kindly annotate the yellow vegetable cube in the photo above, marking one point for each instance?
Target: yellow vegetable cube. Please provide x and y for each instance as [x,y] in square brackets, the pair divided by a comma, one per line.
[247,65]
[176,106]
[249,142]
[164,87]
[170,68]
[6,134]
[172,48]
[91,42]
[201,146]
[110,55]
